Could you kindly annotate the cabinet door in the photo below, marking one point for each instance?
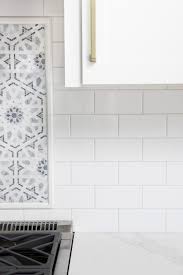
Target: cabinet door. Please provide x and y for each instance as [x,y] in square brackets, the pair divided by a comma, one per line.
[137,42]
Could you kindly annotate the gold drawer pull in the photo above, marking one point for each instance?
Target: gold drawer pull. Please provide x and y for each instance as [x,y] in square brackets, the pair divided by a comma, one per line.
[93,30]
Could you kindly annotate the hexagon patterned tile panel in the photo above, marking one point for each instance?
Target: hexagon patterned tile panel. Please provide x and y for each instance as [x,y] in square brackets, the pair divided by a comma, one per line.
[23,117]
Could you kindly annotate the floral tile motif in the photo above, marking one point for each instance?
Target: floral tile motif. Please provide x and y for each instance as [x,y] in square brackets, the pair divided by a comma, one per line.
[23,114]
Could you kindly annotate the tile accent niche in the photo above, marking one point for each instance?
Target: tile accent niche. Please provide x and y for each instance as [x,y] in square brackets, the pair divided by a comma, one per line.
[23,115]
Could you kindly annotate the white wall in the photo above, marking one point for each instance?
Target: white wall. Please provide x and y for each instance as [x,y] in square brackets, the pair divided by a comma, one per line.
[118,153]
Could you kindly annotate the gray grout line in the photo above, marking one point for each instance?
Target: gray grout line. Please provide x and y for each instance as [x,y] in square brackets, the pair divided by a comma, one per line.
[118,174]
[118,125]
[121,209]
[58,67]
[115,114]
[119,138]
[57,42]
[116,161]
[129,88]
[98,208]
[115,90]
[122,186]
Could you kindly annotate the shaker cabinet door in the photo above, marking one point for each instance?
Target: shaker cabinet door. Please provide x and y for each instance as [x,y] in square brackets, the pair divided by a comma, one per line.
[137,42]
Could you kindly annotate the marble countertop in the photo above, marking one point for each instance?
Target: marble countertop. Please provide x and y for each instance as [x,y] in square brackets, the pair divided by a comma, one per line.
[128,254]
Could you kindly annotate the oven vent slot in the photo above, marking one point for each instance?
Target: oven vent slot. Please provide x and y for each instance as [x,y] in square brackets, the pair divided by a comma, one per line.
[27,226]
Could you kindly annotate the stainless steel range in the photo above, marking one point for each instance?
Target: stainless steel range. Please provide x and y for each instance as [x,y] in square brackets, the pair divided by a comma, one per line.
[35,248]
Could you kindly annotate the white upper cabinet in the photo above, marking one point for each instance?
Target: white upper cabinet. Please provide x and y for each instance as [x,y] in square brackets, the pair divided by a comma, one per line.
[134,41]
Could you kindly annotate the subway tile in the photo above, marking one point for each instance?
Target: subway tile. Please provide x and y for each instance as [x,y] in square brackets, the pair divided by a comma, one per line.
[118,197]
[58,78]
[163,102]
[11,215]
[174,221]
[47,214]
[118,149]
[95,220]
[58,29]
[142,126]
[74,102]
[58,54]
[21,8]
[162,197]
[141,221]
[74,150]
[175,86]
[53,7]
[94,126]
[74,197]
[116,102]
[95,173]
[175,173]
[163,149]
[61,126]
[175,125]
[62,173]
[142,173]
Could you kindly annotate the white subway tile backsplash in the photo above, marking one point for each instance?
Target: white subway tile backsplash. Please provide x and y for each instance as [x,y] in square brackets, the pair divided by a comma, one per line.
[175,173]
[174,221]
[95,220]
[58,78]
[116,102]
[62,173]
[21,8]
[94,126]
[95,173]
[141,221]
[74,197]
[11,215]
[118,197]
[47,214]
[163,149]
[142,126]
[58,29]
[58,54]
[72,102]
[118,149]
[163,102]
[74,150]
[61,126]
[175,125]
[53,7]
[162,197]
[142,173]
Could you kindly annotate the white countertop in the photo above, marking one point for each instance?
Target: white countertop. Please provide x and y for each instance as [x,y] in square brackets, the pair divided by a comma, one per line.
[128,254]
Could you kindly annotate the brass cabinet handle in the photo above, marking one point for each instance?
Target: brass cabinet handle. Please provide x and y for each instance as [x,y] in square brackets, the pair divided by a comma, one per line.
[93,30]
